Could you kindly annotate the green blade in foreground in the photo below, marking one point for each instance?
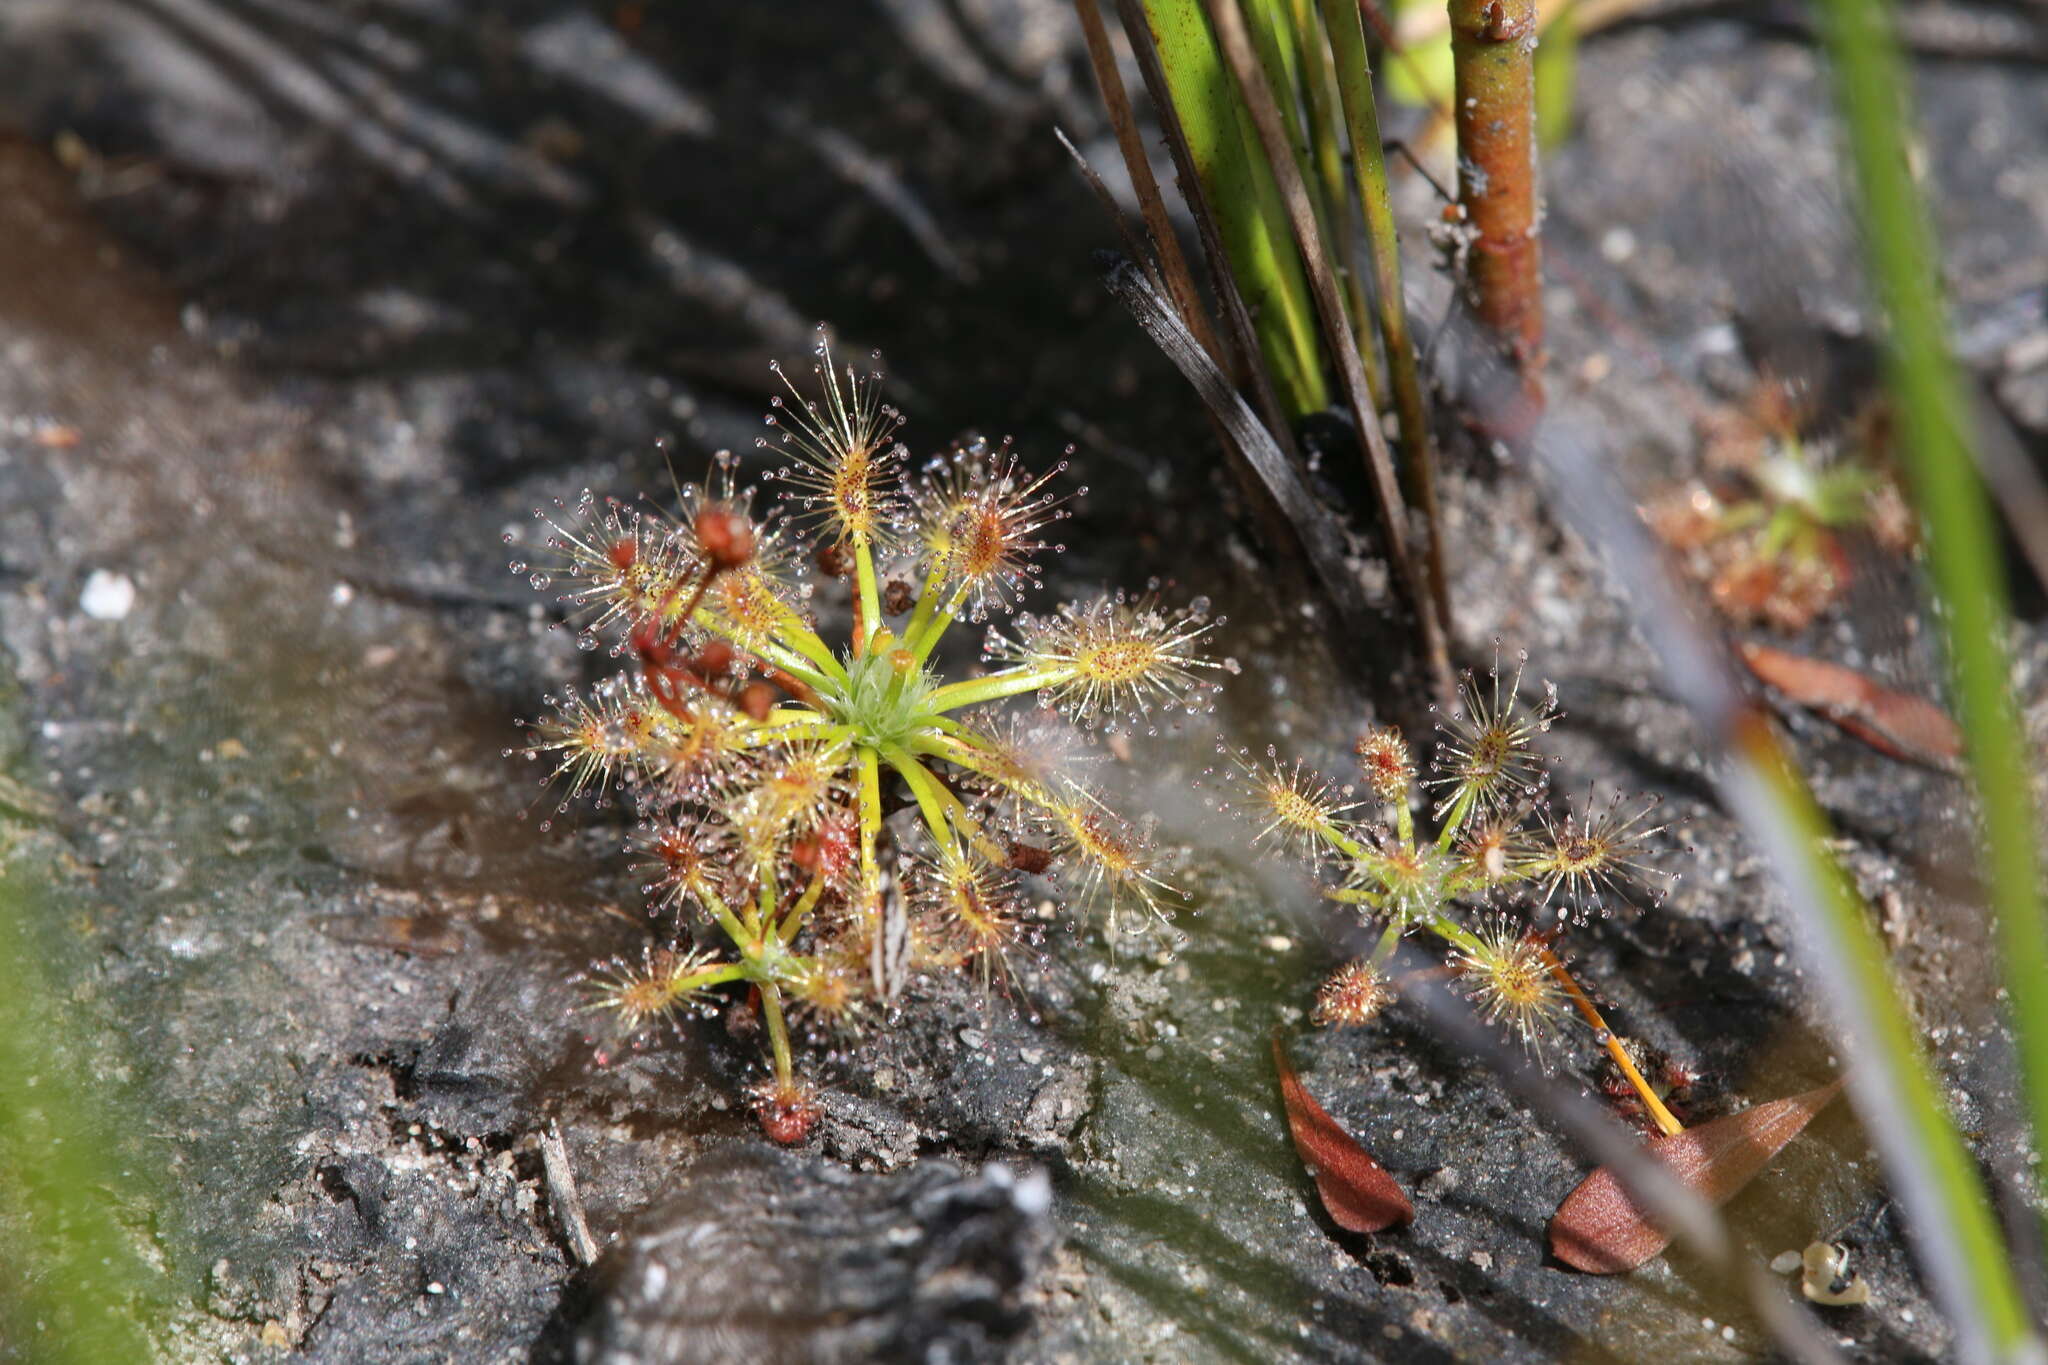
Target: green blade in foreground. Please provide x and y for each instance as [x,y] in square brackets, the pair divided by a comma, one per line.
[1872,88]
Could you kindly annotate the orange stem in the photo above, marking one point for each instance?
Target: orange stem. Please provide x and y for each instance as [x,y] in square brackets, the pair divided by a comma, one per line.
[1666,1121]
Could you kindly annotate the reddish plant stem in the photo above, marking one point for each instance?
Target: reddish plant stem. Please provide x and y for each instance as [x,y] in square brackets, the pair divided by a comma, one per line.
[1493,47]
[1666,1122]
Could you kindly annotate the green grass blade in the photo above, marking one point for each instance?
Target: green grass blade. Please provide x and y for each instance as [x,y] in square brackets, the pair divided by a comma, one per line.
[1326,150]
[1246,200]
[1983,1295]
[1346,32]
[1235,43]
[1871,87]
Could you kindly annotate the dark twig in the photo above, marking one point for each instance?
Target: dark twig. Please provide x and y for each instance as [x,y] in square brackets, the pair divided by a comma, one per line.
[1272,522]
[1140,245]
[568,1205]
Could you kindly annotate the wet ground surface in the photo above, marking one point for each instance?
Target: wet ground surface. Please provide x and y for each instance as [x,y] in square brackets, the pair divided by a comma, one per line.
[307,308]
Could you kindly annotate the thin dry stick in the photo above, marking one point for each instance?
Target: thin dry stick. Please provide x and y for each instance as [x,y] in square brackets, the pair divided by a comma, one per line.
[1273,524]
[1237,320]
[1173,263]
[1228,20]
[554,1164]
[1354,84]
[1141,248]
[1493,49]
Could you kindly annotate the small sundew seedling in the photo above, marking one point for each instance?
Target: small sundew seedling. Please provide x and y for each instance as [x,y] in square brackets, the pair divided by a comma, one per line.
[1500,856]
[1768,532]
[766,762]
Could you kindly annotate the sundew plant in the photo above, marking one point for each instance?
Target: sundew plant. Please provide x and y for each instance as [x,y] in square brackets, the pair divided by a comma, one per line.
[826,816]
[1502,855]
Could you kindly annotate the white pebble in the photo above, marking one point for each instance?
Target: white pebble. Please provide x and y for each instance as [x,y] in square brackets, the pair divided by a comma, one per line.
[107,596]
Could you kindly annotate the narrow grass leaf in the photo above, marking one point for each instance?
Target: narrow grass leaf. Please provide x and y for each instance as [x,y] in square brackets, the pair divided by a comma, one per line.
[1873,90]
[1348,53]
[1931,1170]
[1239,185]
[1233,38]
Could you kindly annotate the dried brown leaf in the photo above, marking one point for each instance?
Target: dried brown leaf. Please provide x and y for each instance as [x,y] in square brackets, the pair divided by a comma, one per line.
[1356,1190]
[1896,724]
[1600,1229]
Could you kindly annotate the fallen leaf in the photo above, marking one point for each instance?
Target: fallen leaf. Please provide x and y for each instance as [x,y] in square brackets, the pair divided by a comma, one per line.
[1896,724]
[1600,1230]
[1356,1190]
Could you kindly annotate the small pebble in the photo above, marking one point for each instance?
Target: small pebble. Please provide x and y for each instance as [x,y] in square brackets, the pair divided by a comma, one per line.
[107,596]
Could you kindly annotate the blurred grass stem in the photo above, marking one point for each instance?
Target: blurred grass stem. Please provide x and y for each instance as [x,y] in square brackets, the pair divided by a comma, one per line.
[1872,91]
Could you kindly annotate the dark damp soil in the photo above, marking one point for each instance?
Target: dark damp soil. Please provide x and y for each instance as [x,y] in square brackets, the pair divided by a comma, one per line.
[305,309]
